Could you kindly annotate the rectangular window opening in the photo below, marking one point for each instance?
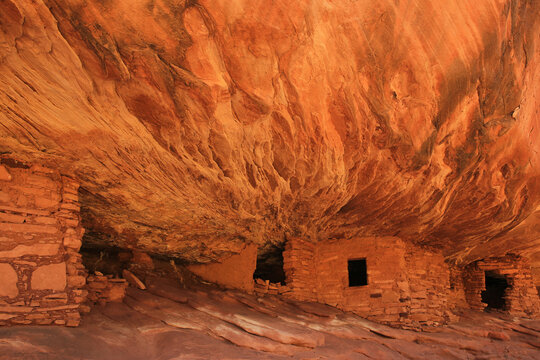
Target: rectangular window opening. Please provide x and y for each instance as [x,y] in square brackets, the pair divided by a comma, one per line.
[357,272]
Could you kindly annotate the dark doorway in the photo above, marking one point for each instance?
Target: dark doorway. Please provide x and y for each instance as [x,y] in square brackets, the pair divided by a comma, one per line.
[496,286]
[357,272]
[270,264]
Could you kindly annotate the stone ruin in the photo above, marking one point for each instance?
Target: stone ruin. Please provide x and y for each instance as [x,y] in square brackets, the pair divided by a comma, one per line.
[501,283]
[42,277]
[43,280]
[399,283]
[384,279]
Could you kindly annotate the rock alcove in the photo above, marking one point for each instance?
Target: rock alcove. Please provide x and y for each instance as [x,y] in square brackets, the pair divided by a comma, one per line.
[287,149]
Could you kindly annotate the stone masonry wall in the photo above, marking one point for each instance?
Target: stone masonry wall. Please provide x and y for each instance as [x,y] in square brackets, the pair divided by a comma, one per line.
[41,272]
[521,296]
[387,282]
[456,295]
[406,285]
[299,269]
[428,277]
[103,289]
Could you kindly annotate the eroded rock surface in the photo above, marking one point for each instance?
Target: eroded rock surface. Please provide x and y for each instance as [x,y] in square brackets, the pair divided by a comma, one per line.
[207,322]
[198,126]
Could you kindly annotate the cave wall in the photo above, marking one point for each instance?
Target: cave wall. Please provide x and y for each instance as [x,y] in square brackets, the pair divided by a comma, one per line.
[249,123]
[521,296]
[41,272]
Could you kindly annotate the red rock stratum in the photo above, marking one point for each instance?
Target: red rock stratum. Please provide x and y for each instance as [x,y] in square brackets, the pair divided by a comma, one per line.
[197,126]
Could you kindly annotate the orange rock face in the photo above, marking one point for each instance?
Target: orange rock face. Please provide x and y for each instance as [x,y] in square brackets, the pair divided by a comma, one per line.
[198,126]
[234,272]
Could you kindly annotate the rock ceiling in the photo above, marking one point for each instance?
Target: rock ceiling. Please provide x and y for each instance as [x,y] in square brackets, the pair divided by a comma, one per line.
[197,126]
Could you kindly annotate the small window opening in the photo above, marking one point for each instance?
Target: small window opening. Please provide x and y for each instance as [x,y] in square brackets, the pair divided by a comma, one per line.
[357,272]
[270,265]
[494,295]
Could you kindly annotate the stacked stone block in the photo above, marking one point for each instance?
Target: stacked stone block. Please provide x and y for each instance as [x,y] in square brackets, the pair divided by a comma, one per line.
[474,283]
[265,287]
[456,294]
[41,272]
[521,296]
[428,277]
[103,289]
[299,269]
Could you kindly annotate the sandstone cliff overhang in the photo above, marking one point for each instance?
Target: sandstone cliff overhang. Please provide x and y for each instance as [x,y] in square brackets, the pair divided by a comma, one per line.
[196,127]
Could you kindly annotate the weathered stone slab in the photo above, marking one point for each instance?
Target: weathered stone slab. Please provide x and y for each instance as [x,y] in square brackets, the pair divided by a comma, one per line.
[8,281]
[12,218]
[133,280]
[28,228]
[69,206]
[15,309]
[49,277]
[24,210]
[56,308]
[76,281]
[45,203]
[45,220]
[72,242]
[35,249]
